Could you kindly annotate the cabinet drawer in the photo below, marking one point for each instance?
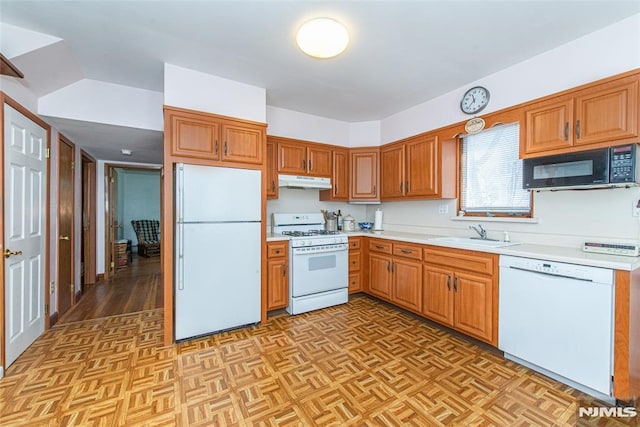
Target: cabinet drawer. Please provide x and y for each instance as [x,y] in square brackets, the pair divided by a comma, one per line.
[355,283]
[477,262]
[277,249]
[354,261]
[381,246]
[407,250]
[354,243]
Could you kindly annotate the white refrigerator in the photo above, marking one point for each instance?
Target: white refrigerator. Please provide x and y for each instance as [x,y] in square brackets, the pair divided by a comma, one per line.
[217,249]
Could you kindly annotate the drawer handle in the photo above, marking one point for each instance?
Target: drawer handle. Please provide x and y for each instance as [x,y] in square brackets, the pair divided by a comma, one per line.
[353,262]
[448,282]
[406,251]
[455,284]
[379,247]
[277,251]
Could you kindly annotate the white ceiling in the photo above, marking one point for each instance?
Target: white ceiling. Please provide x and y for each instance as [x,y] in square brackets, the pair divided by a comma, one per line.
[401,53]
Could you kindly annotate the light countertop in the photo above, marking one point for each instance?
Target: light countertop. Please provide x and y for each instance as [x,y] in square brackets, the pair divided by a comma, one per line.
[544,252]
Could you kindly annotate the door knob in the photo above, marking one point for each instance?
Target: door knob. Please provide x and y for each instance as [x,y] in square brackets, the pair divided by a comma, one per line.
[64,238]
[8,253]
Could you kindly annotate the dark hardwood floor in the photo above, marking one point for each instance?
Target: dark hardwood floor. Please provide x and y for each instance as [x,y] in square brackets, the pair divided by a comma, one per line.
[134,288]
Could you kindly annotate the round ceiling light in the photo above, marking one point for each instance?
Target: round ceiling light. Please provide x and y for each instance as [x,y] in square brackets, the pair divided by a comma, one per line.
[322,38]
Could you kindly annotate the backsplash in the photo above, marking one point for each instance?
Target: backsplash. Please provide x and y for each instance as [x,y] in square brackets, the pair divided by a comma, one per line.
[564,218]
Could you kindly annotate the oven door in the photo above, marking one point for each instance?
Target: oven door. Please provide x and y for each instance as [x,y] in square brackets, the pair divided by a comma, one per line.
[312,273]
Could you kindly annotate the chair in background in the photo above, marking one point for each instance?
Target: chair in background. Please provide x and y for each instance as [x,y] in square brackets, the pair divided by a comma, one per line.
[148,234]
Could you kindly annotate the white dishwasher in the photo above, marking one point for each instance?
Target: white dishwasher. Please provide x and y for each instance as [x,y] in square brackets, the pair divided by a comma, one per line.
[558,317]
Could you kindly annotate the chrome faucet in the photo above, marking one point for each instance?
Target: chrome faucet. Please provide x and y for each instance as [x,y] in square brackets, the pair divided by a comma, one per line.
[482,232]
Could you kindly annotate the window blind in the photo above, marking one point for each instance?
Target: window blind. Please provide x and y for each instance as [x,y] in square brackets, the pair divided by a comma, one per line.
[491,172]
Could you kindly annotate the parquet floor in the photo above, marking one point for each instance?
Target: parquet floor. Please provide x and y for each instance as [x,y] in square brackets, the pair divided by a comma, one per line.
[359,364]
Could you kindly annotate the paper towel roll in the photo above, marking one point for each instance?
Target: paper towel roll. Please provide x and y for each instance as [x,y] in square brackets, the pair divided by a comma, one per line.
[377,222]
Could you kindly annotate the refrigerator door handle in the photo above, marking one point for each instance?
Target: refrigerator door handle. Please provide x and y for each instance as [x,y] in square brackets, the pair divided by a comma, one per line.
[180,260]
[180,183]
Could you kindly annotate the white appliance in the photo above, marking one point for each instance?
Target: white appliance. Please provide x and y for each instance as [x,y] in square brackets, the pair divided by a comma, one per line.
[217,249]
[304,182]
[319,262]
[558,318]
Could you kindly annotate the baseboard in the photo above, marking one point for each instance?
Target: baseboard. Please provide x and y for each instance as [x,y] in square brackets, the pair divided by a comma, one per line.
[53,319]
[99,277]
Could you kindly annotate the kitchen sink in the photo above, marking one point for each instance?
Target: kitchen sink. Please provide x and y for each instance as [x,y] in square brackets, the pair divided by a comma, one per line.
[487,243]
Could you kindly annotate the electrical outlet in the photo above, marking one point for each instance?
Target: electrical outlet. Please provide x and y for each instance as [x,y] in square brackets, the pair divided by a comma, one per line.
[52,287]
[443,209]
[635,207]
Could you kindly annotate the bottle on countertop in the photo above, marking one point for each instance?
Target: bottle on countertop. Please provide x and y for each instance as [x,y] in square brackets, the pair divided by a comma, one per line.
[340,220]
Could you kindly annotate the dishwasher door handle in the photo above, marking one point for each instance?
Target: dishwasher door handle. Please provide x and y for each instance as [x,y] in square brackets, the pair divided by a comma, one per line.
[544,273]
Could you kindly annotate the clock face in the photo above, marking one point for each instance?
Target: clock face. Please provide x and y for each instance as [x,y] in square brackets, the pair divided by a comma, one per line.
[474,100]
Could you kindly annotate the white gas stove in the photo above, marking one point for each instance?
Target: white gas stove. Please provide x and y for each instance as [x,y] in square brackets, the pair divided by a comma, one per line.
[318,274]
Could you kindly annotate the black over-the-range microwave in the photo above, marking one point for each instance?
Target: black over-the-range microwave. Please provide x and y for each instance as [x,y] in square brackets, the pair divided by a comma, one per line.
[611,166]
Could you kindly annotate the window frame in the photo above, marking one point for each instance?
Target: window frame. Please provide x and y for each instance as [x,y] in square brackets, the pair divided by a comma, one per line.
[461,183]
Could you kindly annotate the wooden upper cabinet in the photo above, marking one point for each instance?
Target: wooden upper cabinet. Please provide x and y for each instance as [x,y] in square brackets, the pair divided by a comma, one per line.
[272,174]
[241,144]
[549,126]
[318,161]
[421,177]
[392,171]
[292,158]
[364,175]
[297,157]
[604,114]
[611,113]
[339,177]
[194,136]
[419,167]
[204,136]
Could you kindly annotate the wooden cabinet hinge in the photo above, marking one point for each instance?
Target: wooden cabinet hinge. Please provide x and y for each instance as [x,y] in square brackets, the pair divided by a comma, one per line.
[46,309]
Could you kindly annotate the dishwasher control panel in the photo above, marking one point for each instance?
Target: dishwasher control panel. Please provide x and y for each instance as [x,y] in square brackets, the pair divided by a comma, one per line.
[562,269]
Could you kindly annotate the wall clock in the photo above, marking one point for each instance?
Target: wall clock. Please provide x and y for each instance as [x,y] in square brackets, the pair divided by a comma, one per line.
[474,100]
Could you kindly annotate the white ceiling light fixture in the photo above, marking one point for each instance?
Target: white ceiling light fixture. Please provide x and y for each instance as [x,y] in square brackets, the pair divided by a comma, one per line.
[322,38]
[126,152]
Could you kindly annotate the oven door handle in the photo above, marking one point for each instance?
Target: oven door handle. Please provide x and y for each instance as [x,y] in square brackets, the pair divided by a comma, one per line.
[327,251]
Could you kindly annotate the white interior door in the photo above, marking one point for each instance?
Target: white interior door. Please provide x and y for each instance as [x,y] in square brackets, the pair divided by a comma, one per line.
[25,191]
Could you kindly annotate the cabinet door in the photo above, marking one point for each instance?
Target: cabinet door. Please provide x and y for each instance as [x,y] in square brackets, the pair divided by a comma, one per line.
[407,284]
[340,175]
[549,126]
[277,283]
[272,174]
[422,167]
[364,175]
[292,158]
[473,305]
[437,296]
[242,144]
[194,137]
[319,161]
[392,172]
[608,114]
[380,276]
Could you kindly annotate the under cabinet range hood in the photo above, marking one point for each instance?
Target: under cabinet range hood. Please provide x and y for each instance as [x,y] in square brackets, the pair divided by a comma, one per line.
[297,181]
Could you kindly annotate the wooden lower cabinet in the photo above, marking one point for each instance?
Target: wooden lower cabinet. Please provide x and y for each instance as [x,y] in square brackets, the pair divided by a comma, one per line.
[394,278]
[460,290]
[380,275]
[277,275]
[437,301]
[406,289]
[355,264]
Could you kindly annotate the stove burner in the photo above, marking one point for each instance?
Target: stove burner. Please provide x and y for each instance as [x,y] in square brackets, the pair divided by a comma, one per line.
[310,233]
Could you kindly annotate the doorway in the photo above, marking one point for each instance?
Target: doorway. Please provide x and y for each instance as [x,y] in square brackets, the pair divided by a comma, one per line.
[88,230]
[132,193]
[66,201]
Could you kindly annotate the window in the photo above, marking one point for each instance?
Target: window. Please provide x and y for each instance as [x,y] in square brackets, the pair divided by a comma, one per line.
[491,173]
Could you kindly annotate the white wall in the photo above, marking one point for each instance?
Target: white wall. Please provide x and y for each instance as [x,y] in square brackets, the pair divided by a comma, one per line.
[294,200]
[118,105]
[566,218]
[100,209]
[140,199]
[199,91]
[608,51]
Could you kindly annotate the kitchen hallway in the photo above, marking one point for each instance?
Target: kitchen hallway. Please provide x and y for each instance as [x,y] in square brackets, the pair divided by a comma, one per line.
[362,363]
